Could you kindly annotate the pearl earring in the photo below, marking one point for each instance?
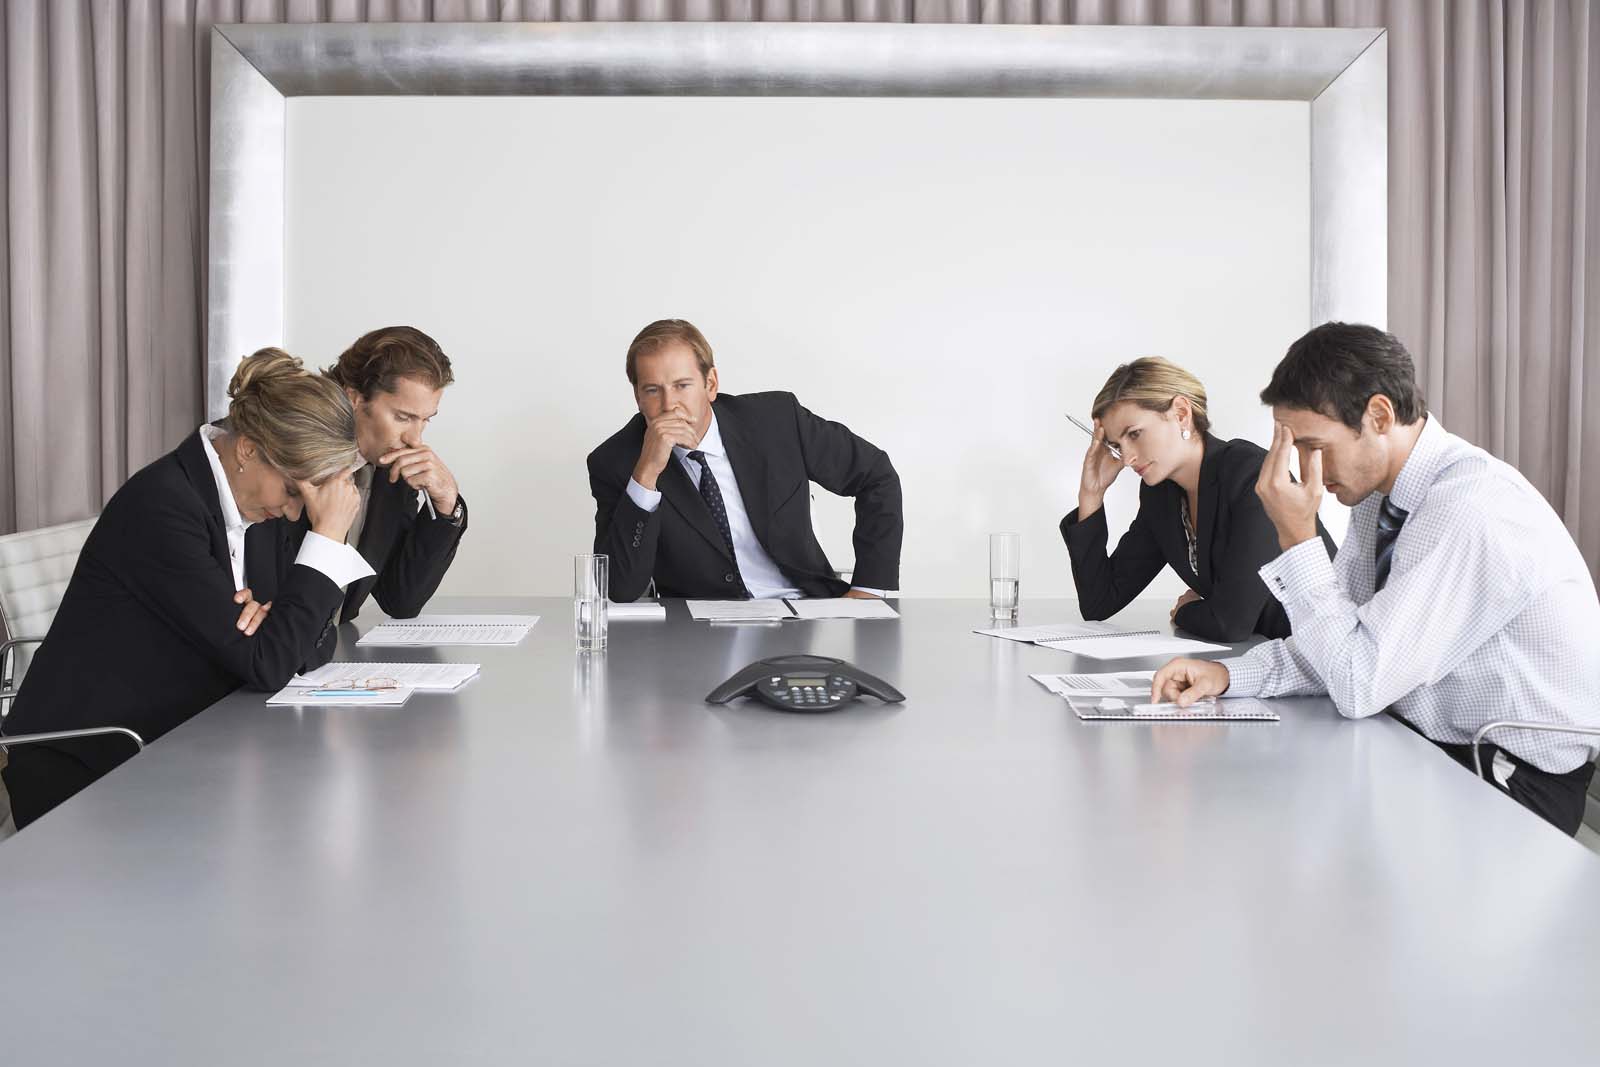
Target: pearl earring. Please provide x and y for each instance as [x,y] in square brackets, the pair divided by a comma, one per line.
[1186,435]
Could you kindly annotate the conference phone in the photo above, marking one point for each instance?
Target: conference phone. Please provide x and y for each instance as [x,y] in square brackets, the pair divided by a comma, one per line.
[804,683]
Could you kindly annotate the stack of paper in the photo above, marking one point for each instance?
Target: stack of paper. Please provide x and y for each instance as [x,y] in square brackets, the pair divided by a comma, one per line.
[1136,683]
[739,610]
[1131,646]
[451,630]
[843,607]
[1100,640]
[639,609]
[299,696]
[427,677]
[1060,631]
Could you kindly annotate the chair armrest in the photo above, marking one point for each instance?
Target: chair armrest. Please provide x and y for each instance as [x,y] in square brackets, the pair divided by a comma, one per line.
[7,740]
[5,655]
[1512,724]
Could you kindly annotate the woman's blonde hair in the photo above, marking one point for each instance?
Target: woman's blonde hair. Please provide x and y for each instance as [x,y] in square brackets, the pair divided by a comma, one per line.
[301,421]
[1153,383]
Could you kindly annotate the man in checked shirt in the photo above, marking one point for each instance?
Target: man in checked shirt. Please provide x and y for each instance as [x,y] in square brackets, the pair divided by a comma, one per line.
[1458,597]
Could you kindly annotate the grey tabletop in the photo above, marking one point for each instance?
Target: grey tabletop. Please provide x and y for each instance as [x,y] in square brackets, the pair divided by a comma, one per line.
[575,860]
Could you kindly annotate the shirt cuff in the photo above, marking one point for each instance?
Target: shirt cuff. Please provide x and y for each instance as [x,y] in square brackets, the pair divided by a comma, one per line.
[879,593]
[1299,571]
[340,563]
[647,499]
[1245,677]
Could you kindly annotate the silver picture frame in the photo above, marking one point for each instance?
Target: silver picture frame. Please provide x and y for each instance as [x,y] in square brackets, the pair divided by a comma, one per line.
[1341,73]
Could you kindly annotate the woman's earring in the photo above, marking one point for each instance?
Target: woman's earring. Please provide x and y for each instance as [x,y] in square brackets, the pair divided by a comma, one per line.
[1185,435]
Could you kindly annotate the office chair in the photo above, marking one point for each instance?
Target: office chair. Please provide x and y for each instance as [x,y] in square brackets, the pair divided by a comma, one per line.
[35,566]
[1512,724]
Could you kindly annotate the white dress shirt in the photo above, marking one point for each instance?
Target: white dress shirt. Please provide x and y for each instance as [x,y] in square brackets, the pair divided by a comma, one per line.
[762,576]
[1489,612]
[340,563]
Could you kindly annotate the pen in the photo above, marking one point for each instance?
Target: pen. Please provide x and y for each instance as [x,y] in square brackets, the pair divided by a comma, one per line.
[1113,449]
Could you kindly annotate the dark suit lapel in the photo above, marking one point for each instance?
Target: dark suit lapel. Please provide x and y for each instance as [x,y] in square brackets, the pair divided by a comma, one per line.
[1206,521]
[679,491]
[197,467]
[384,504]
[750,468]
[377,535]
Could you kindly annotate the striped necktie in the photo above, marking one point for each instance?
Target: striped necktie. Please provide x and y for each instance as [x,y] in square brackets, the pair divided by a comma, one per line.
[711,493]
[1390,519]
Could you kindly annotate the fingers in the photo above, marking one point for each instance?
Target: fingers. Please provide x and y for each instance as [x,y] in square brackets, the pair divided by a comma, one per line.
[389,458]
[242,596]
[1314,475]
[1164,680]
[252,616]
[410,469]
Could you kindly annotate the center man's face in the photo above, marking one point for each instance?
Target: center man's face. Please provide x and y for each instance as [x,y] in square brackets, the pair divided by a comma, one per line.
[389,422]
[669,380]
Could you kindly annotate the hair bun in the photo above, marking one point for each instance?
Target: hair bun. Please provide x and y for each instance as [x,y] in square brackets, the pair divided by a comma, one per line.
[265,365]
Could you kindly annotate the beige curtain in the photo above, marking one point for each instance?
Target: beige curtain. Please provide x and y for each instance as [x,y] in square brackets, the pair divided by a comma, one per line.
[1494,172]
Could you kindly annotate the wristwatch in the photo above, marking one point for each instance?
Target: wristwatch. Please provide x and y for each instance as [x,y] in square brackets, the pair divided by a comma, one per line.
[459,515]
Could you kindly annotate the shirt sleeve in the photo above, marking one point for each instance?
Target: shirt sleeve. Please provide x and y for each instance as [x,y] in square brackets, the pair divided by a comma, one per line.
[1461,584]
[647,500]
[341,564]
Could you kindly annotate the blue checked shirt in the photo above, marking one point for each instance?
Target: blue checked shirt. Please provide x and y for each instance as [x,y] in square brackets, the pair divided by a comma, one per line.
[1489,612]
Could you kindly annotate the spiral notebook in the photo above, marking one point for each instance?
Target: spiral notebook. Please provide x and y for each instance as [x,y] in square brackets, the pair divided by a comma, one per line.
[450,630]
[1114,709]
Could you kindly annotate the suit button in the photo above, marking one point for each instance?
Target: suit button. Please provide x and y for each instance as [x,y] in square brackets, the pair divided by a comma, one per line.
[727,577]
[635,542]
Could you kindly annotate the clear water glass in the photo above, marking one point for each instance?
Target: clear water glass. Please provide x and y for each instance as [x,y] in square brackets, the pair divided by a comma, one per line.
[591,590]
[1005,575]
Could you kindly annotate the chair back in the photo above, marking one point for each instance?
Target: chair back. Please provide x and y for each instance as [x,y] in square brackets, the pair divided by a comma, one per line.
[35,566]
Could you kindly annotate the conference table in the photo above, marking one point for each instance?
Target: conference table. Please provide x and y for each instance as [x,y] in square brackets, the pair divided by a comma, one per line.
[576,860]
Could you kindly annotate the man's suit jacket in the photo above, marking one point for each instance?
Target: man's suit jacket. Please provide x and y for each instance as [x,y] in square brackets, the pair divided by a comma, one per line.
[776,448]
[408,547]
[1234,539]
[146,634]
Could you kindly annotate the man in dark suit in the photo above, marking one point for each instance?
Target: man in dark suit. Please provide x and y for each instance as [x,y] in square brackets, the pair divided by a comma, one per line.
[412,515]
[708,494]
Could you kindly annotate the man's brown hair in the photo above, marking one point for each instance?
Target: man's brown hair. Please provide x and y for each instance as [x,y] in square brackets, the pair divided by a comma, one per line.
[382,357]
[664,332]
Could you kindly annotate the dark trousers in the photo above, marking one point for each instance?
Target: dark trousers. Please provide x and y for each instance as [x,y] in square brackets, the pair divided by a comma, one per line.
[1558,799]
[38,777]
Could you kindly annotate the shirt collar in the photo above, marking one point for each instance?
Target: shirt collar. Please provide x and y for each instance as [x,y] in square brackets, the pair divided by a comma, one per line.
[1428,455]
[230,508]
[710,444]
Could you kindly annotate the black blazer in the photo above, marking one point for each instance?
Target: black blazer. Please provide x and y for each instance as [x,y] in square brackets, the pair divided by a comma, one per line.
[1234,539]
[409,547]
[145,636]
[776,447]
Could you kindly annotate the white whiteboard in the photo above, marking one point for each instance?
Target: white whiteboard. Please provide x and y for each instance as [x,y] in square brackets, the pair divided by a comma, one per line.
[947,277]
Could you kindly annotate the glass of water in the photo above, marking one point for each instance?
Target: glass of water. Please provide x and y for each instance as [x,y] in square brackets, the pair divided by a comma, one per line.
[591,588]
[1005,575]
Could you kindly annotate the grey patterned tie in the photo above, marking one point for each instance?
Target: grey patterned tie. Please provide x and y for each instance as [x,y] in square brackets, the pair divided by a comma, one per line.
[1390,519]
[711,493]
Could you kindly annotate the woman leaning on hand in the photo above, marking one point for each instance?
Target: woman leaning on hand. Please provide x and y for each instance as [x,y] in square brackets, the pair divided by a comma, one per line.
[1198,511]
[159,621]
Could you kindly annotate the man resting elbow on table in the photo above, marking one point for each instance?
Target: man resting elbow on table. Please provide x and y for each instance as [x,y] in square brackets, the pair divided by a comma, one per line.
[1458,597]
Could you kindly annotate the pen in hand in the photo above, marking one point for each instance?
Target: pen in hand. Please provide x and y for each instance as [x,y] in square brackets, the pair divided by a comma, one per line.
[1113,449]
